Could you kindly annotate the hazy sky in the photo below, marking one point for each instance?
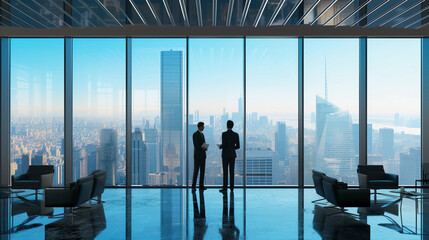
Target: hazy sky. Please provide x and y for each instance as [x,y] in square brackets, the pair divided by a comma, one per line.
[215,75]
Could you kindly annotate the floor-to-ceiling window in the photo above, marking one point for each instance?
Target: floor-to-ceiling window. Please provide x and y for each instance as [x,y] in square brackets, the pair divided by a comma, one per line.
[37,104]
[99,108]
[272,111]
[394,107]
[215,96]
[159,117]
[331,108]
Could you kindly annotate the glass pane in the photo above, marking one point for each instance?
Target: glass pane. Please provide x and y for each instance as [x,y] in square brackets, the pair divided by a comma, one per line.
[215,96]
[331,108]
[99,108]
[37,105]
[158,138]
[272,112]
[394,107]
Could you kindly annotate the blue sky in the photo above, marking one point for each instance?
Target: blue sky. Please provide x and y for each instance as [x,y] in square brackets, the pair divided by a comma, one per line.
[215,75]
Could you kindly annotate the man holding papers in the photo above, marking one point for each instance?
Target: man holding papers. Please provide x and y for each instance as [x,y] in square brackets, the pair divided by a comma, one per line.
[200,148]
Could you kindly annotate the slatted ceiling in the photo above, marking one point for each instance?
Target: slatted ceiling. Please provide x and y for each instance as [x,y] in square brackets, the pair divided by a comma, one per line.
[410,14]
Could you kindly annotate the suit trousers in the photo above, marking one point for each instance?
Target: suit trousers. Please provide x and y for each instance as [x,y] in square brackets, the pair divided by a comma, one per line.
[228,163]
[199,164]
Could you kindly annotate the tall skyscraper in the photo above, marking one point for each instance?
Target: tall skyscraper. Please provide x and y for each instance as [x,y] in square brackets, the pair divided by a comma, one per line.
[108,154]
[139,166]
[281,147]
[172,116]
[385,146]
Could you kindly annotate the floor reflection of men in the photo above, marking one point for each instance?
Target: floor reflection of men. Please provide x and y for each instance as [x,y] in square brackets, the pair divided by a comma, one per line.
[200,226]
[228,230]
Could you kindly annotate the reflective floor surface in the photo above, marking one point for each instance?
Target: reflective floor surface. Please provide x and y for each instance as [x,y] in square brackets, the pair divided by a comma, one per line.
[181,214]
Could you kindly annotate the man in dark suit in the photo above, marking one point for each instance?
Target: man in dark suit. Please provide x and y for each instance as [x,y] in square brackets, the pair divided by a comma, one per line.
[199,157]
[229,144]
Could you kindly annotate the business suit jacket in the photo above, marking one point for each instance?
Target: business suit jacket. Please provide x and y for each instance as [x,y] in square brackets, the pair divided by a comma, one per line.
[198,139]
[230,142]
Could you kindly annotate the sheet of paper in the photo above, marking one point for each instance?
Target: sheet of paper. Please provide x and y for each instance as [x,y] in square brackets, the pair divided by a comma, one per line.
[205,145]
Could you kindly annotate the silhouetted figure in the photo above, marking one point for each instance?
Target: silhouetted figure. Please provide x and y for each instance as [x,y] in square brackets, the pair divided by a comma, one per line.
[228,230]
[199,156]
[200,226]
[230,143]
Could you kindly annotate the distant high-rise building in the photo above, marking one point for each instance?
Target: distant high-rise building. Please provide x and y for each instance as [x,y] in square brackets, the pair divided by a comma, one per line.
[92,157]
[253,117]
[259,166]
[108,154]
[385,146]
[152,149]
[190,118]
[409,168]
[25,162]
[39,159]
[212,120]
[281,147]
[79,163]
[397,121]
[335,143]
[139,167]
[172,115]
[62,147]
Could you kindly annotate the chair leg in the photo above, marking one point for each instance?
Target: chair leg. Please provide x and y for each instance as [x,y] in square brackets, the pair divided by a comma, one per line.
[317,200]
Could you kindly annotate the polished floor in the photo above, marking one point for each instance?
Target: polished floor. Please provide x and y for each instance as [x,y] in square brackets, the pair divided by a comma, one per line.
[180,214]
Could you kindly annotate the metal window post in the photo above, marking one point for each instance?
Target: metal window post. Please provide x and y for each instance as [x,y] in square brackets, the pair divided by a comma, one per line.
[128,113]
[68,110]
[363,125]
[5,112]
[300,112]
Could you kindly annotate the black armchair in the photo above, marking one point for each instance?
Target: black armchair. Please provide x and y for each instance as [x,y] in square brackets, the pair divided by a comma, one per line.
[374,177]
[78,193]
[37,177]
[339,195]
[99,183]
[318,185]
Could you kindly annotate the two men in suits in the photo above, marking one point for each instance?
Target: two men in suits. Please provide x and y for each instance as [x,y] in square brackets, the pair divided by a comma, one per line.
[199,157]
[230,142]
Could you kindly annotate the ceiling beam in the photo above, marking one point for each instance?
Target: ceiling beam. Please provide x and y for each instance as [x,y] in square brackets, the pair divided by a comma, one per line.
[276,12]
[396,16]
[292,11]
[184,12]
[4,10]
[152,10]
[323,11]
[339,11]
[138,12]
[34,11]
[308,12]
[78,12]
[199,13]
[19,10]
[123,12]
[370,12]
[354,12]
[170,15]
[384,14]
[229,13]
[260,12]
[412,15]
[93,12]
[245,11]
[108,12]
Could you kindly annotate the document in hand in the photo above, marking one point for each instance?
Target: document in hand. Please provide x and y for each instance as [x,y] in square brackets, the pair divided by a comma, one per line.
[205,145]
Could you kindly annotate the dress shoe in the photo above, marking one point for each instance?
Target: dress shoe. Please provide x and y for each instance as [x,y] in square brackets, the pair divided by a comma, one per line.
[222,190]
[203,188]
[193,190]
